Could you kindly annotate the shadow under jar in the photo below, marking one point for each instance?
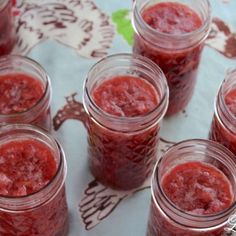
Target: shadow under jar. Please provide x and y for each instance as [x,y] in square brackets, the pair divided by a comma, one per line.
[125,97]
[223,127]
[193,190]
[172,35]
[7,29]
[32,183]
[25,92]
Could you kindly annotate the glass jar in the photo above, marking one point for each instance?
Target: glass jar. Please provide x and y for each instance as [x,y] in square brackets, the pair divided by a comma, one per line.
[223,127]
[177,54]
[7,29]
[43,212]
[122,150]
[165,218]
[39,114]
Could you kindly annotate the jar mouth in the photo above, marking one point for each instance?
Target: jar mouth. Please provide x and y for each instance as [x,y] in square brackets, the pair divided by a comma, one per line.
[222,112]
[35,109]
[153,116]
[139,23]
[190,217]
[30,198]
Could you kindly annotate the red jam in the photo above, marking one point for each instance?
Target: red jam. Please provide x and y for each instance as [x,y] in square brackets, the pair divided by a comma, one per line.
[126,96]
[179,66]
[195,188]
[19,93]
[218,131]
[7,31]
[26,167]
[123,160]
[198,188]
[172,18]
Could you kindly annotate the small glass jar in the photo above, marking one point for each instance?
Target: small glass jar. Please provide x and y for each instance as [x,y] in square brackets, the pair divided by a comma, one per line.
[223,127]
[178,55]
[165,218]
[7,29]
[122,150]
[43,212]
[39,114]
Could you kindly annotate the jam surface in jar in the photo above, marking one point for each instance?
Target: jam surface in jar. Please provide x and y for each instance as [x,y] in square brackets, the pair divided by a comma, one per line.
[118,159]
[26,168]
[172,18]
[179,65]
[198,188]
[19,93]
[126,96]
[7,31]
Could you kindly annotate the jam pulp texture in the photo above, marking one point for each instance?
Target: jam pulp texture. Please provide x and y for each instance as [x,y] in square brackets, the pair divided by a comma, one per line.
[27,166]
[219,132]
[7,31]
[123,160]
[19,93]
[197,188]
[179,66]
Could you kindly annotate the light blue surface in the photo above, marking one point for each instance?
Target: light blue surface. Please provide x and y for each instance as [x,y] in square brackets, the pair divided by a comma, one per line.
[67,71]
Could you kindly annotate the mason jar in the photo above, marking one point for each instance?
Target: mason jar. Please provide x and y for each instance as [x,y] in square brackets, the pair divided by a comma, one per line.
[28,204]
[23,80]
[223,127]
[177,53]
[122,149]
[205,166]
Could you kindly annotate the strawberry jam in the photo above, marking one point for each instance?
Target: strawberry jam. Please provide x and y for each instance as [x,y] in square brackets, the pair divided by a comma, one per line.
[164,33]
[125,97]
[123,160]
[32,191]
[25,92]
[19,93]
[193,190]
[198,188]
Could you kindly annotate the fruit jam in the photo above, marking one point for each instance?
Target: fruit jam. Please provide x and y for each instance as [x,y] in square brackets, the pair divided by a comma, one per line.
[32,191]
[193,196]
[25,92]
[124,123]
[164,34]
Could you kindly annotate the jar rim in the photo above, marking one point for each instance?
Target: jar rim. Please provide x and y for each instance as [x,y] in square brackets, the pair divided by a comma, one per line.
[177,211]
[47,90]
[61,166]
[183,37]
[161,107]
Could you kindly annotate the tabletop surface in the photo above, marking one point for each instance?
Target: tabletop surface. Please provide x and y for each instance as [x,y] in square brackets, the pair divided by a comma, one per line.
[67,37]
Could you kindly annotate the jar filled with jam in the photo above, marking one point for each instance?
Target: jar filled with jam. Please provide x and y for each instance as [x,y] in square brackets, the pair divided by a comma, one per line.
[25,92]
[172,34]
[32,183]
[193,191]
[125,97]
